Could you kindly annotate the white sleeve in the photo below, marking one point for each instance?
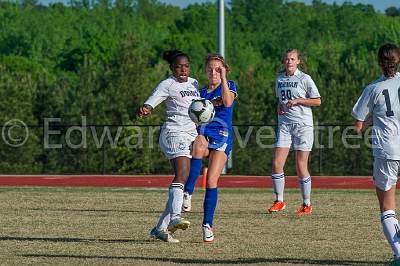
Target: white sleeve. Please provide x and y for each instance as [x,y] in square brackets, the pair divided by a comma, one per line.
[276,89]
[312,90]
[196,84]
[160,93]
[364,105]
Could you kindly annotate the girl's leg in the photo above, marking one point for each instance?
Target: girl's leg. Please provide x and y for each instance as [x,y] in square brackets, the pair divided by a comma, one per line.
[173,207]
[217,161]
[278,178]
[390,224]
[304,175]
[200,150]
[279,160]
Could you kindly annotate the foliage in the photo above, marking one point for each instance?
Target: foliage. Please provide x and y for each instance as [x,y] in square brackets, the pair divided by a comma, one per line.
[392,11]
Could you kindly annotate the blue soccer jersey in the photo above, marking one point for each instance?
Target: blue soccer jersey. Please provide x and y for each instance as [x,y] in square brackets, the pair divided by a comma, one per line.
[219,130]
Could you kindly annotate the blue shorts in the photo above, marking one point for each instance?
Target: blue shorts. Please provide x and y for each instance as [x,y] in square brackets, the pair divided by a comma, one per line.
[214,144]
[219,139]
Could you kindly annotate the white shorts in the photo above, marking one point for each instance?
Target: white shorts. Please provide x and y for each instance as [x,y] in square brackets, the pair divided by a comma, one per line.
[295,136]
[385,173]
[175,144]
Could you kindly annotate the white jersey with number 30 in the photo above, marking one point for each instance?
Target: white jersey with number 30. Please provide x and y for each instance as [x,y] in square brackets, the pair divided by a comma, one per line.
[299,85]
[382,99]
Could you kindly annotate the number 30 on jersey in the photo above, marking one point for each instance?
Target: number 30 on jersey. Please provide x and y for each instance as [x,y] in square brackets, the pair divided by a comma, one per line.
[287,95]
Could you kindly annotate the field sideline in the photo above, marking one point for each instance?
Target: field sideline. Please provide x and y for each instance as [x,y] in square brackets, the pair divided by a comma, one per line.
[226,181]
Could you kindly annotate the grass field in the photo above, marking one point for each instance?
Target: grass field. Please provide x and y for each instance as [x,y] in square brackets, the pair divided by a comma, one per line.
[74,226]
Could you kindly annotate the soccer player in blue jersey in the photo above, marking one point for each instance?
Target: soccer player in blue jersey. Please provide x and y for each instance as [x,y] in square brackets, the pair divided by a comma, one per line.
[380,102]
[214,139]
[296,93]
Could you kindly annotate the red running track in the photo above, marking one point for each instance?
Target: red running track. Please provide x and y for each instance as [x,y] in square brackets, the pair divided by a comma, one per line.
[226,181]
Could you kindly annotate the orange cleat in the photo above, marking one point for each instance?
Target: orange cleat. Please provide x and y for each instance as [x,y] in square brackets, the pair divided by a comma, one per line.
[304,210]
[277,206]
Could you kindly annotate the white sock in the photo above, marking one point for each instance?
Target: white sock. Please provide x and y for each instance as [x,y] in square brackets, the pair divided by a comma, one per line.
[175,200]
[305,186]
[391,230]
[278,182]
[164,219]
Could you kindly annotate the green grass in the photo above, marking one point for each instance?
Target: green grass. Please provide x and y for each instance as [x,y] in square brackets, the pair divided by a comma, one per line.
[78,226]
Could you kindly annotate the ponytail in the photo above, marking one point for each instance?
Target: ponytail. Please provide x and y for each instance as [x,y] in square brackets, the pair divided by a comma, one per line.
[171,55]
[389,59]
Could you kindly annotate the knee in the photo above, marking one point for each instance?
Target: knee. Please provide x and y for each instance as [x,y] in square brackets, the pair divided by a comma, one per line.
[200,148]
[277,167]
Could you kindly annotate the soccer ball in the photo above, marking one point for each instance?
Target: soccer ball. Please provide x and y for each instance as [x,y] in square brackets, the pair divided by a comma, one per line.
[201,111]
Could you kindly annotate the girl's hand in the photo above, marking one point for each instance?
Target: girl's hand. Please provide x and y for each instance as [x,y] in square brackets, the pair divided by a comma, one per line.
[222,71]
[294,102]
[280,109]
[144,111]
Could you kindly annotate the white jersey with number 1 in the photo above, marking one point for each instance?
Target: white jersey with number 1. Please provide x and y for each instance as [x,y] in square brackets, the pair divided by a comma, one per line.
[299,85]
[382,99]
[177,96]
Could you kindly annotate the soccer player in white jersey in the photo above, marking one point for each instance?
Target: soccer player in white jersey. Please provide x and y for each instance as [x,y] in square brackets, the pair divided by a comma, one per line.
[177,134]
[380,102]
[296,94]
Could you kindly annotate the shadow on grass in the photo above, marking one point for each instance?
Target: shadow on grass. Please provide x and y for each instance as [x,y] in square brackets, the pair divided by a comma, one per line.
[209,261]
[241,213]
[91,210]
[71,239]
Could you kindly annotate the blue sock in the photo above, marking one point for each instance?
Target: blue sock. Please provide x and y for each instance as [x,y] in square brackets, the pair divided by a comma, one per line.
[210,203]
[195,169]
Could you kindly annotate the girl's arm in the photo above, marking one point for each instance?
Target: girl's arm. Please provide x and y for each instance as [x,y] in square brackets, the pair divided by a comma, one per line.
[160,93]
[227,95]
[361,126]
[305,102]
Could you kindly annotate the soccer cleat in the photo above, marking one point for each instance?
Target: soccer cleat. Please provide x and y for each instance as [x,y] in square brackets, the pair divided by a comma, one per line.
[178,223]
[208,234]
[304,210]
[277,206]
[163,235]
[187,202]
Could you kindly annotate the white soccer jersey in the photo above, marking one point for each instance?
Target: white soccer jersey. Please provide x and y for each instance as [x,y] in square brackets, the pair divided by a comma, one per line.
[299,85]
[177,96]
[381,99]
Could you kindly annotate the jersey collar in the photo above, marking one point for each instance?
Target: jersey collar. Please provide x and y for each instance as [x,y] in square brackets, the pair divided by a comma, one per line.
[175,79]
[296,73]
